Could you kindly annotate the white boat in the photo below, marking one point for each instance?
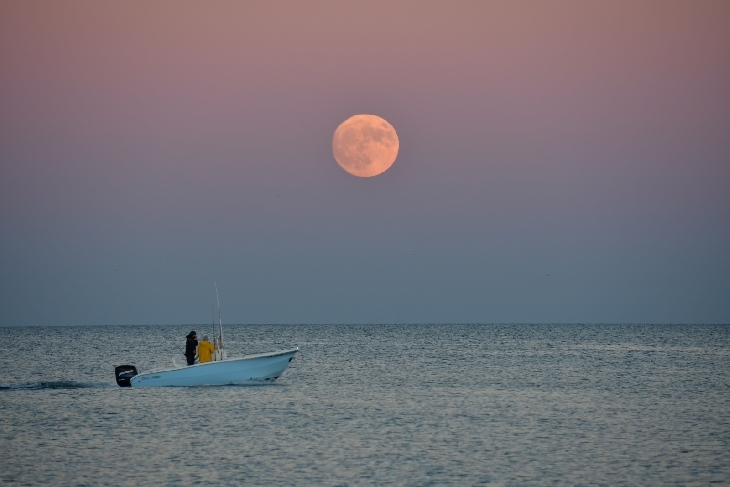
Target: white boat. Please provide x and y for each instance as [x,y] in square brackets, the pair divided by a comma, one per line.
[221,370]
[249,369]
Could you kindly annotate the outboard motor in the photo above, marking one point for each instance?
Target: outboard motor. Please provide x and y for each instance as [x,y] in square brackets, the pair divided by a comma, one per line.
[124,374]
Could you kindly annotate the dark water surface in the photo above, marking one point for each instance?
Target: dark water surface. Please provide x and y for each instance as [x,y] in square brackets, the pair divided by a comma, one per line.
[360,405]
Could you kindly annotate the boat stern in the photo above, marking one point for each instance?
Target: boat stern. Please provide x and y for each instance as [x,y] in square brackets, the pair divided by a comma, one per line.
[124,374]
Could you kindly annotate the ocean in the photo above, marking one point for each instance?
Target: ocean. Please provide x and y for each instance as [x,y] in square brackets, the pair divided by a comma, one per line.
[374,405]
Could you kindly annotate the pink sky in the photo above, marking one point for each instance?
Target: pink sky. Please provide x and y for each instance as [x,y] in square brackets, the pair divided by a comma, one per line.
[190,141]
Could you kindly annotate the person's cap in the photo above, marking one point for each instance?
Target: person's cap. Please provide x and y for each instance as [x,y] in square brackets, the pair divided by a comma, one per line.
[205,338]
[191,334]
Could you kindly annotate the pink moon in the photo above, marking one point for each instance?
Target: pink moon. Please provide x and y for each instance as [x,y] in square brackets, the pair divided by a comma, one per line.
[365,145]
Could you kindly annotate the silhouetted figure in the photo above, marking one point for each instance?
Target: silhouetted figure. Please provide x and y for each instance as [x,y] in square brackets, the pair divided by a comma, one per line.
[191,346]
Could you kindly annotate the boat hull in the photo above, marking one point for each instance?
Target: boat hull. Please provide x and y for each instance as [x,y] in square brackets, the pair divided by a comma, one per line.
[250,369]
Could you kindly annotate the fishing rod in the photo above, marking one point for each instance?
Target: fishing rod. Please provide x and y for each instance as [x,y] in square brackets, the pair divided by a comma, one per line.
[220,323]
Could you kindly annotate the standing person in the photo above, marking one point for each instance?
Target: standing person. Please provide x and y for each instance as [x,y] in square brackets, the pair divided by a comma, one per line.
[191,345]
[205,349]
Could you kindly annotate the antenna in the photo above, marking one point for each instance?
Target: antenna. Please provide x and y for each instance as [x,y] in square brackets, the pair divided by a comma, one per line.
[220,323]
[218,300]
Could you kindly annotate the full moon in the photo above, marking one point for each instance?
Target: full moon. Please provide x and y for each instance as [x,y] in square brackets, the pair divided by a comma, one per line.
[365,145]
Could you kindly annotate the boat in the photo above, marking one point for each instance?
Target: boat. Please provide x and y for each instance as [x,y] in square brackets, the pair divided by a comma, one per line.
[249,369]
[221,370]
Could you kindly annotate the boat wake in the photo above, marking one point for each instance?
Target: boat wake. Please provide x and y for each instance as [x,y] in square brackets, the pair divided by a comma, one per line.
[62,384]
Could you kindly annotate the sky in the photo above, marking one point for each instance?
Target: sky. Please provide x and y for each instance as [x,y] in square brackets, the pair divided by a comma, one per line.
[560,162]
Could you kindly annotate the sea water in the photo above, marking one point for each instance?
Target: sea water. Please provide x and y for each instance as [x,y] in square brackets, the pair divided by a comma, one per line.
[374,405]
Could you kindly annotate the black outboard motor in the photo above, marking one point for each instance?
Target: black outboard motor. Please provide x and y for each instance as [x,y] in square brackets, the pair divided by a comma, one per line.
[124,374]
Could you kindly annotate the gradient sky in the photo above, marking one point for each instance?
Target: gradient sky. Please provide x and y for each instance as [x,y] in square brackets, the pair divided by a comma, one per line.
[559,162]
